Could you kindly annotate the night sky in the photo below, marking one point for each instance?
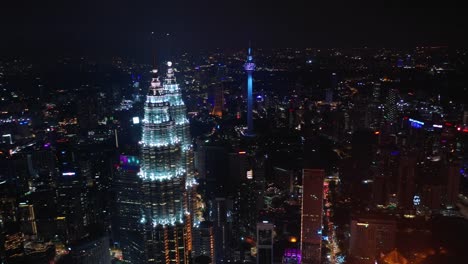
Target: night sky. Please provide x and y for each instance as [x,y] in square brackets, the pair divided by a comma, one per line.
[83,27]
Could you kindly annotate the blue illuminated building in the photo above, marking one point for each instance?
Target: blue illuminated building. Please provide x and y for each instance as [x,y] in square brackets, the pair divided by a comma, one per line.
[415,123]
[249,67]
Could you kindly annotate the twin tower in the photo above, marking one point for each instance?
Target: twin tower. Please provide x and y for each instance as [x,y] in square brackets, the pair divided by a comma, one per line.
[167,169]
[166,172]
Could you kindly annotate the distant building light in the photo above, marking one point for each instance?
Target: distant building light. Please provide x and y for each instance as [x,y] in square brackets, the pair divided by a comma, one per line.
[136,120]
[416,200]
[68,174]
[242,152]
[437,126]
[249,174]
[363,224]
[416,121]
[409,216]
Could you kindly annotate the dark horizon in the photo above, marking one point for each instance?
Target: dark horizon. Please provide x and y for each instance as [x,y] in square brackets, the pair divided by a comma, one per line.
[116,29]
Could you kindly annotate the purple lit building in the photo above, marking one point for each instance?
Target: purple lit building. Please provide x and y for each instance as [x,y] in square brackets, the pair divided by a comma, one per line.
[292,256]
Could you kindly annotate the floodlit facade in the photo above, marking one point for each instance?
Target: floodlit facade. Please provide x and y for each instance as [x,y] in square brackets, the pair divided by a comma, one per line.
[166,162]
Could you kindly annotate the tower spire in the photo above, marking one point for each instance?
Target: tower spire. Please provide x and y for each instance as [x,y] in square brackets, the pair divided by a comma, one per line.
[153,49]
[249,67]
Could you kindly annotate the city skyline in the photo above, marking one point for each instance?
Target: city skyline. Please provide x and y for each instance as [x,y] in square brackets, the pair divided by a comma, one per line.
[215,132]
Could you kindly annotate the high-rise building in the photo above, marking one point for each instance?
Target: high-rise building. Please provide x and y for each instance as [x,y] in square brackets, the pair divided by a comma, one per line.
[27,219]
[329,91]
[265,243]
[204,241]
[249,67]
[391,107]
[71,196]
[406,182]
[311,216]
[370,237]
[165,172]
[453,184]
[218,92]
[178,112]
[212,166]
[374,109]
[90,251]
[126,221]
[245,210]
[376,90]
[216,160]
[220,215]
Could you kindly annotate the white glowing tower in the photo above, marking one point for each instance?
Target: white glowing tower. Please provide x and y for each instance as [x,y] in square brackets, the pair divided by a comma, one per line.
[163,172]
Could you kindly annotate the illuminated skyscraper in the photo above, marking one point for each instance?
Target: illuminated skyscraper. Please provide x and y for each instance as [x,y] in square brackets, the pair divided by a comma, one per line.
[126,221]
[72,195]
[163,172]
[311,216]
[178,113]
[249,67]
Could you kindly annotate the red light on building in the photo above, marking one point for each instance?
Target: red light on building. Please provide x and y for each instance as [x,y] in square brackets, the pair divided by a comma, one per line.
[377,133]
[448,124]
